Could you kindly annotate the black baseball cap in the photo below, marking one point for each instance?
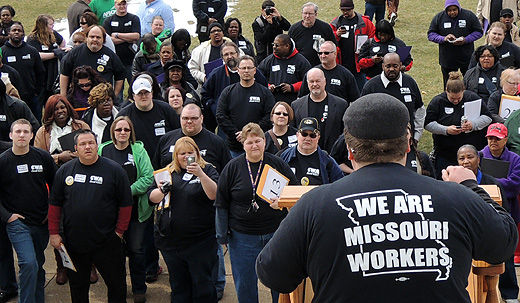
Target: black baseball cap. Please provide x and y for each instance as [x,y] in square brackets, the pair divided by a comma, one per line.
[376,117]
[309,123]
[506,12]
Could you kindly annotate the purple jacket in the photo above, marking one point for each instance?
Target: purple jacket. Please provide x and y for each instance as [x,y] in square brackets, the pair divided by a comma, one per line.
[511,184]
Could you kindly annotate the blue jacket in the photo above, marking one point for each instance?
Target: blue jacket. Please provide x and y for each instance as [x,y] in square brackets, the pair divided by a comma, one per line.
[327,163]
[217,80]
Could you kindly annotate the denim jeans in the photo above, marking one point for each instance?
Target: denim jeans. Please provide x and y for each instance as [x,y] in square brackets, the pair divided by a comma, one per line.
[150,251]
[378,10]
[134,237]
[7,272]
[243,250]
[30,242]
[190,272]
[219,270]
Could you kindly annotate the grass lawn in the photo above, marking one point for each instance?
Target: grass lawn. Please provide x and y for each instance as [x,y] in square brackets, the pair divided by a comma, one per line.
[414,19]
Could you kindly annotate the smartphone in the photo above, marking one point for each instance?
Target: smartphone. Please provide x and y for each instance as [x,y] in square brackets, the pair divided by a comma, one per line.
[190,160]
[459,127]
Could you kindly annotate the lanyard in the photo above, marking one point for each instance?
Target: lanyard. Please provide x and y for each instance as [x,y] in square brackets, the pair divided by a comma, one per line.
[254,182]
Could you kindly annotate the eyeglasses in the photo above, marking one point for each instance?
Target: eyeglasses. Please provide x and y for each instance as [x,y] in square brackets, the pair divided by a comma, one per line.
[118,130]
[312,135]
[83,85]
[281,114]
[324,53]
[190,118]
[215,31]
[246,68]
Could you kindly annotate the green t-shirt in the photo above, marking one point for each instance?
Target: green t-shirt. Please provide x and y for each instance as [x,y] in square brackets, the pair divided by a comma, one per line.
[103,9]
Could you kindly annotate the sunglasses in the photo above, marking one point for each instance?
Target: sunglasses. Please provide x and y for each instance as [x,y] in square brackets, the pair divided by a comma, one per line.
[83,23]
[312,135]
[281,114]
[85,85]
[324,53]
[118,130]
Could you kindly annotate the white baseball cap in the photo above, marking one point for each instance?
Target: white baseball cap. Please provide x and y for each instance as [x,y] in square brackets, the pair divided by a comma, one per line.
[141,84]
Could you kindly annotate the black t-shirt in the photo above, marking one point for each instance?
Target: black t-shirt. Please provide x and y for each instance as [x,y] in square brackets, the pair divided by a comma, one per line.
[235,193]
[104,61]
[347,43]
[306,38]
[150,126]
[128,23]
[191,215]
[240,105]
[90,197]
[51,65]
[214,53]
[340,82]
[212,148]
[125,158]
[307,168]
[366,229]
[288,139]
[320,111]
[24,180]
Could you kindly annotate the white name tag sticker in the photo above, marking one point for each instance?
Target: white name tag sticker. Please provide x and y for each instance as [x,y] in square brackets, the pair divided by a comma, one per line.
[80,178]
[292,139]
[448,110]
[45,47]
[11,59]
[114,23]
[24,168]
[160,131]
[480,80]
[172,148]
[211,10]
[407,98]
[242,42]
[275,68]
[447,24]
[187,177]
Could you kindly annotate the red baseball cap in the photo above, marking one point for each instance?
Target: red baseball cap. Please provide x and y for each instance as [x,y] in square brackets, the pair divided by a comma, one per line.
[498,130]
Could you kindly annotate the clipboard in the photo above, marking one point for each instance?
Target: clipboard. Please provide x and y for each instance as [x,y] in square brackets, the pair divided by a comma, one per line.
[271,183]
[508,105]
[163,174]
[495,168]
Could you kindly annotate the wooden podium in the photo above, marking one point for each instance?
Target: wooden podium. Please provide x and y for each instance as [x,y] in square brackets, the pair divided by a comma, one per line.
[482,280]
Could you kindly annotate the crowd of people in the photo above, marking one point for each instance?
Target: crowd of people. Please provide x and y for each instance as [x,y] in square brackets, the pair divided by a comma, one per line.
[174,166]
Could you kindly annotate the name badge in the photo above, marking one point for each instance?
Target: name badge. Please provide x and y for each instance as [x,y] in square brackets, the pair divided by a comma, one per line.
[292,139]
[45,47]
[480,80]
[160,131]
[172,148]
[448,110]
[275,68]
[11,59]
[3,118]
[80,178]
[187,177]
[211,10]
[114,23]
[24,168]
[447,24]
[462,23]
[407,98]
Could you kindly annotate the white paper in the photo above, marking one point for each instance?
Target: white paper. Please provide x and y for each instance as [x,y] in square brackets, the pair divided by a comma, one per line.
[360,40]
[163,176]
[274,184]
[508,106]
[472,109]
[65,258]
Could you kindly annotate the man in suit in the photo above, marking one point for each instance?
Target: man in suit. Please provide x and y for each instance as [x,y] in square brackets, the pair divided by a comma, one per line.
[326,108]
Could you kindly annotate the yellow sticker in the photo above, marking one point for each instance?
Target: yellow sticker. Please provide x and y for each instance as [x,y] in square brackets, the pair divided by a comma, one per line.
[304,181]
[100,68]
[69,180]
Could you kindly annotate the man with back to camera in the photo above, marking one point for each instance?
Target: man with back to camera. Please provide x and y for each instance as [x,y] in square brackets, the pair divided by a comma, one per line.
[92,196]
[384,227]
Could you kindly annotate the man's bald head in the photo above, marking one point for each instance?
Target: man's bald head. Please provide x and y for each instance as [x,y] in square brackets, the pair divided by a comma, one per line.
[392,66]
[316,81]
[391,56]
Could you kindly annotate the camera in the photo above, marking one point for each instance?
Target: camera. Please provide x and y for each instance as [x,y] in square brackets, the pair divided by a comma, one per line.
[268,10]
[190,160]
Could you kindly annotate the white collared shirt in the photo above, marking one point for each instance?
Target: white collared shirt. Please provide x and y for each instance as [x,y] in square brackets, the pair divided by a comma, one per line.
[385,80]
